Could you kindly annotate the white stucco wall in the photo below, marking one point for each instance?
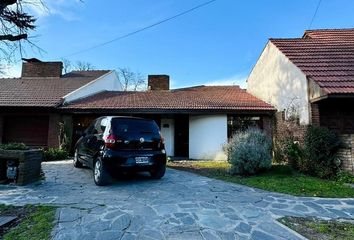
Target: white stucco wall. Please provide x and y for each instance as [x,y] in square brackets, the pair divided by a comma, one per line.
[168,134]
[207,135]
[276,80]
[107,82]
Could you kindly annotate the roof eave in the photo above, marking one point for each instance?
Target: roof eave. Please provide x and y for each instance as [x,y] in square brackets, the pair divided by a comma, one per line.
[170,111]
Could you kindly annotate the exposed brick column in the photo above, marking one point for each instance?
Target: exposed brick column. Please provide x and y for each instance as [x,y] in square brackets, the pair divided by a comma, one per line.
[1,127]
[347,154]
[315,114]
[268,125]
[53,131]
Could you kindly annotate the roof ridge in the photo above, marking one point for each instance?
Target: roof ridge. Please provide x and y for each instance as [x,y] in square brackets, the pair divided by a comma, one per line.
[328,29]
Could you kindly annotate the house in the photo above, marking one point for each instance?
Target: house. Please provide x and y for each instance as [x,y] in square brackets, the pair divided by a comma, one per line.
[43,106]
[311,77]
[29,110]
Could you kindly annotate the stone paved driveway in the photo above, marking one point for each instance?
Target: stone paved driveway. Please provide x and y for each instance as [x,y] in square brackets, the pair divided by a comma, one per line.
[180,206]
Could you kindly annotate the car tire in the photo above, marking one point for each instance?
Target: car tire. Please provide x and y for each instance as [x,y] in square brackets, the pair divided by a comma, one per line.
[159,171]
[100,173]
[76,160]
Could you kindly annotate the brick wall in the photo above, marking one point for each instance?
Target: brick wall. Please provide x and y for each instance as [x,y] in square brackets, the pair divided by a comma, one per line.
[347,154]
[29,167]
[268,123]
[159,82]
[53,131]
[315,114]
[42,69]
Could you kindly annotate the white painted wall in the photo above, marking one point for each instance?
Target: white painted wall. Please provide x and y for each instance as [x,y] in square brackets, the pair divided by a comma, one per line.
[168,134]
[107,82]
[276,80]
[207,135]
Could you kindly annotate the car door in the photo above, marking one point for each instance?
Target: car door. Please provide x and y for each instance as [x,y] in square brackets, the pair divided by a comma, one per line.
[95,140]
[83,144]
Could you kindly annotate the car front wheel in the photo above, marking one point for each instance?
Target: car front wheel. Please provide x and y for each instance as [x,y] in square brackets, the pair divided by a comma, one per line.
[76,160]
[100,174]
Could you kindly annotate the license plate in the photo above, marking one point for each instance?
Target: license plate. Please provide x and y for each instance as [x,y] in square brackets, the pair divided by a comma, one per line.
[142,160]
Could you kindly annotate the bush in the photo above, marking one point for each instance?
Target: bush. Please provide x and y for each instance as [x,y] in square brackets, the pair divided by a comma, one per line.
[321,148]
[345,177]
[53,154]
[288,141]
[294,153]
[14,146]
[249,152]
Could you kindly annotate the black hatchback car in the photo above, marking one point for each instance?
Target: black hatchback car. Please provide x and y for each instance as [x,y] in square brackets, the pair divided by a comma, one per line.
[121,144]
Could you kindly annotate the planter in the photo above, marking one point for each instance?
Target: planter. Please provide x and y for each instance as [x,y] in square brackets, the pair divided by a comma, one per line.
[27,161]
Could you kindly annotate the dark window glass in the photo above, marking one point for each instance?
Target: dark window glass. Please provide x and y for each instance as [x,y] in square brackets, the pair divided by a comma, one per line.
[91,129]
[123,126]
[241,123]
[99,129]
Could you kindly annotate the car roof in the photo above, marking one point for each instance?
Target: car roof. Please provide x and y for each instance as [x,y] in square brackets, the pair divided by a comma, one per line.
[127,117]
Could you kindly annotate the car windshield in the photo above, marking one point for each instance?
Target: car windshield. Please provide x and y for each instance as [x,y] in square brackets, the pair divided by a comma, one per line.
[123,126]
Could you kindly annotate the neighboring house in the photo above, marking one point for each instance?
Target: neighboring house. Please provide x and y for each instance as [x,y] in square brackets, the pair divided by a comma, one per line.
[312,78]
[195,122]
[29,105]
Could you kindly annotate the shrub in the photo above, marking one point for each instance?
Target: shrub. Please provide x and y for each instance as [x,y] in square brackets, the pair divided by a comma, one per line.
[294,153]
[52,154]
[14,146]
[249,152]
[288,141]
[345,177]
[321,148]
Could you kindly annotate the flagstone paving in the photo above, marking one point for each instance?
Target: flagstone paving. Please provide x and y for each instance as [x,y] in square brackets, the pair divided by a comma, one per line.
[182,205]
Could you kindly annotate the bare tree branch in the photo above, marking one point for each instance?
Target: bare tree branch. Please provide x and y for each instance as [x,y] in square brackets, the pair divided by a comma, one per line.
[12,38]
[68,66]
[131,81]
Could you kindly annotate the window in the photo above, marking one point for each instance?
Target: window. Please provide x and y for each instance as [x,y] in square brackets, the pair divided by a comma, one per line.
[123,127]
[237,123]
[99,128]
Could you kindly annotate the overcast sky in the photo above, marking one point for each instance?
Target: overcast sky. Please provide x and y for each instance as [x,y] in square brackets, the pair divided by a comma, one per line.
[215,44]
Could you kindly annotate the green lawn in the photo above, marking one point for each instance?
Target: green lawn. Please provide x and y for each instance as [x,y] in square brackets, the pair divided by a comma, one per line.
[316,229]
[278,179]
[33,223]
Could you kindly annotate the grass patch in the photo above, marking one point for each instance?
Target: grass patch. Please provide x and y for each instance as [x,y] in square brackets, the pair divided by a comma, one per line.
[32,223]
[316,229]
[279,178]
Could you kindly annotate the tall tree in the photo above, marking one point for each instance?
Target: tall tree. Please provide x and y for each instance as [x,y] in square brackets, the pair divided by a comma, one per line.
[15,25]
[131,81]
[69,66]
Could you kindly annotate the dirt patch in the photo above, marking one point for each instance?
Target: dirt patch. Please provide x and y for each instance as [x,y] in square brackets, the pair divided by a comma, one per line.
[317,229]
[20,212]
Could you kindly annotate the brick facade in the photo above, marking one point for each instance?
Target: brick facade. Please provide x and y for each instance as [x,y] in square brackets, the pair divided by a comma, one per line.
[158,82]
[42,69]
[29,164]
[315,114]
[347,154]
[54,131]
[268,123]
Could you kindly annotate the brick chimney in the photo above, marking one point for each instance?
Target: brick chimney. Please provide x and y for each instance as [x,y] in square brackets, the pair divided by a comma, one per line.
[158,82]
[37,68]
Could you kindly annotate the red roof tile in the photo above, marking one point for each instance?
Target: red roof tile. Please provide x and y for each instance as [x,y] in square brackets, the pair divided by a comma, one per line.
[326,56]
[193,98]
[330,34]
[42,92]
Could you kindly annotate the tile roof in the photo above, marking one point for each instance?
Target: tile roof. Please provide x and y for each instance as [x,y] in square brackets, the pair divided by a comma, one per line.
[326,56]
[42,92]
[330,34]
[193,98]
